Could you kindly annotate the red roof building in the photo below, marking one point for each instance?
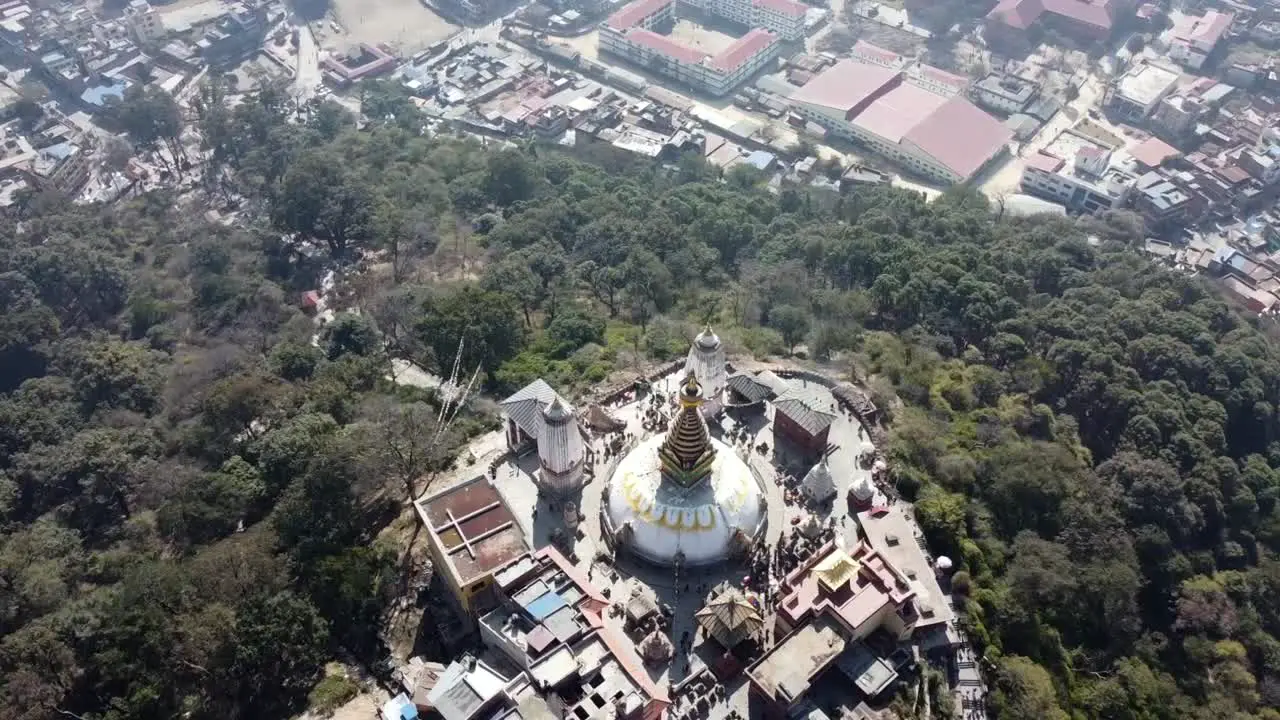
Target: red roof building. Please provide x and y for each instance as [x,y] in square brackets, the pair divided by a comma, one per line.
[1086,20]
[471,533]
[637,14]
[927,129]
[742,50]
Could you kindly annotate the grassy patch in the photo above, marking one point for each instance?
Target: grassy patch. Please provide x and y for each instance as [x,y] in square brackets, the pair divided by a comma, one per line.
[331,693]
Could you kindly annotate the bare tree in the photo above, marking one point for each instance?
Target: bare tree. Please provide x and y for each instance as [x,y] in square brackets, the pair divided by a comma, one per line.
[406,443]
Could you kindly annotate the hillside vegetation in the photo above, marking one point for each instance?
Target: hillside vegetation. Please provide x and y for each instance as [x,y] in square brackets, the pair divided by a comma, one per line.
[189,489]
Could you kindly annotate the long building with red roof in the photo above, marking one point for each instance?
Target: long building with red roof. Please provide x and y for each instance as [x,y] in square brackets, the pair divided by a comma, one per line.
[630,33]
[924,126]
[1013,21]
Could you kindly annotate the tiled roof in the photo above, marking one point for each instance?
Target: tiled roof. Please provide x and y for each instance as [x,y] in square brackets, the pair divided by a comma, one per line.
[665,46]
[1045,162]
[802,407]
[1022,14]
[899,109]
[846,85]
[525,406]
[742,49]
[633,14]
[960,136]
[785,7]
[1152,151]
[750,388]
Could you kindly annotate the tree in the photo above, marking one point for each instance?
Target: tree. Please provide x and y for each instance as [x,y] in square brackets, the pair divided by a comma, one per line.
[510,177]
[1024,689]
[485,322]
[792,322]
[352,333]
[151,116]
[408,444]
[281,641]
[320,197]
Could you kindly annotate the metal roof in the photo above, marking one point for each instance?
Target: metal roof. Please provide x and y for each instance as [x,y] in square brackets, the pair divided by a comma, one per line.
[802,408]
[525,406]
[750,388]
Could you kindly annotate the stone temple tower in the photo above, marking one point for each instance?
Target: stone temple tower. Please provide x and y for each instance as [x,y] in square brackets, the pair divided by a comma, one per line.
[706,361]
[561,452]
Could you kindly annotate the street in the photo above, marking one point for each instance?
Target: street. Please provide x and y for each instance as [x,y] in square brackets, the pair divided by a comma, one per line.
[307,80]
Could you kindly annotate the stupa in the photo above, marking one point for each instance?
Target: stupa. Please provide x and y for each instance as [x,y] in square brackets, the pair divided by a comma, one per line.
[706,361]
[561,452]
[683,498]
[861,495]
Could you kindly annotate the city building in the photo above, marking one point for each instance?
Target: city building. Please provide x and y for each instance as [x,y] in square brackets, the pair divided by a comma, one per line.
[1194,38]
[931,134]
[830,605]
[865,52]
[1140,90]
[64,167]
[369,61]
[1003,93]
[548,623]
[706,361]
[782,17]
[1016,22]
[144,22]
[683,499]
[1091,178]
[1181,115]
[1164,203]
[629,33]
[234,36]
[468,689]
[470,533]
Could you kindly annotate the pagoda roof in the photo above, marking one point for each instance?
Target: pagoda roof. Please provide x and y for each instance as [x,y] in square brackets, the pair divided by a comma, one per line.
[730,618]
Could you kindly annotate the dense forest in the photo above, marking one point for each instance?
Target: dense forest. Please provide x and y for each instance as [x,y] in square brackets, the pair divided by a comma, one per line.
[192,490]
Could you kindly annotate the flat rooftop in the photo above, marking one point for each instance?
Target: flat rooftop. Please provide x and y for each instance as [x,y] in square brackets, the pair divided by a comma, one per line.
[890,534]
[1146,83]
[475,529]
[789,669]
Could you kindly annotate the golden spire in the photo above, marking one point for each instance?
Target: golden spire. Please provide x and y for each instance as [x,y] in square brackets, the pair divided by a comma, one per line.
[687,453]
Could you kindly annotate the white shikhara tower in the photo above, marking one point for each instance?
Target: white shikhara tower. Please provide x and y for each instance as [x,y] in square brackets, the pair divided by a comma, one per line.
[561,452]
[706,362]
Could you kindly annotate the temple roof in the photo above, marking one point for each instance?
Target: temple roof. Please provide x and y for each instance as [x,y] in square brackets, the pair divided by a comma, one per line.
[526,405]
[836,569]
[729,618]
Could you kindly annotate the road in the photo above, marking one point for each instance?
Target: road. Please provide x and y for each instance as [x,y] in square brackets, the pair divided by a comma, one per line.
[1005,179]
[307,79]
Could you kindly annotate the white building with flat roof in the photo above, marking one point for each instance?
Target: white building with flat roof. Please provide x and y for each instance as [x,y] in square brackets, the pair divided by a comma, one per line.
[1080,175]
[1141,89]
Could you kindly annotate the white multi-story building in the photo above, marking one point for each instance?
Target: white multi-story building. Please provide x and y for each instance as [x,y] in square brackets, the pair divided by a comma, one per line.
[144,22]
[784,18]
[1193,39]
[1003,93]
[629,33]
[1092,181]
